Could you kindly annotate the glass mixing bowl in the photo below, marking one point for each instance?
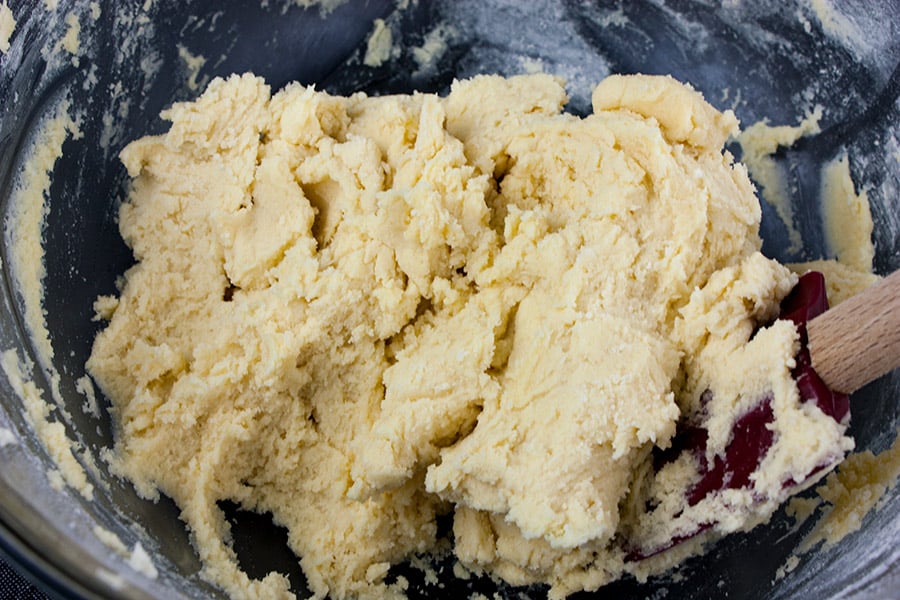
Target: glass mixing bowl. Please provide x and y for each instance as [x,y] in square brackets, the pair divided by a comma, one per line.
[766,59]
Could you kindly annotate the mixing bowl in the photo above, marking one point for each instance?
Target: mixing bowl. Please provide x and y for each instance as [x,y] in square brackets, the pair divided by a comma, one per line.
[767,60]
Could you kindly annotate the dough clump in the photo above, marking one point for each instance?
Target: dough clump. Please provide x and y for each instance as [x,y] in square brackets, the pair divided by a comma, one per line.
[359,313]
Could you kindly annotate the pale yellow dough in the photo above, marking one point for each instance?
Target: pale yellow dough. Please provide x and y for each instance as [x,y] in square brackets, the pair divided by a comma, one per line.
[7,26]
[358,313]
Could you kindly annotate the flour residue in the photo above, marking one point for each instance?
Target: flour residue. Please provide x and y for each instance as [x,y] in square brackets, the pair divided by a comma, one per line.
[110,540]
[844,24]
[112,579]
[7,437]
[836,23]
[559,47]
[325,6]
[137,558]
[141,562]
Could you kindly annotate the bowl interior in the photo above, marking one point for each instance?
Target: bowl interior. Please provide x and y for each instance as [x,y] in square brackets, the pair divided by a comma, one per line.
[766,59]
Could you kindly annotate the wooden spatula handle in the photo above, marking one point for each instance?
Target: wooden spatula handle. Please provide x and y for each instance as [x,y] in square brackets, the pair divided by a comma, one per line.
[858,340]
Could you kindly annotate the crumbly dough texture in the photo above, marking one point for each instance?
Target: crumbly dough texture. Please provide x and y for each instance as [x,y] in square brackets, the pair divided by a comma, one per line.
[359,313]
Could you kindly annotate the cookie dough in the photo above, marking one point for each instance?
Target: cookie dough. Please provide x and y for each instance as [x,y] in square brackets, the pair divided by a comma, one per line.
[7,26]
[847,218]
[360,313]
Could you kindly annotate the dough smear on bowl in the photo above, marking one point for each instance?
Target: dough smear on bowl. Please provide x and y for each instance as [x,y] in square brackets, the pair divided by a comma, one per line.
[360,313]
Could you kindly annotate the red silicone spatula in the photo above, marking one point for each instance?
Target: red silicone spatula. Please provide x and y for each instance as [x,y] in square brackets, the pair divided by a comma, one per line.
[842,349]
